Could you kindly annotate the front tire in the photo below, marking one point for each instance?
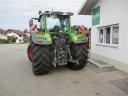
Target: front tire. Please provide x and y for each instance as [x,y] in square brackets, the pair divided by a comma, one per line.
[42,59]
[79,52]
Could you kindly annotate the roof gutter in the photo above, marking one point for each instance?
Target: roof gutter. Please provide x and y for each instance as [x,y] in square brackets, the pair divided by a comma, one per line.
[87,6]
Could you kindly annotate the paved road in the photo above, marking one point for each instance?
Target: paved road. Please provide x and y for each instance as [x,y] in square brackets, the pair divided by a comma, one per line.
[17,79]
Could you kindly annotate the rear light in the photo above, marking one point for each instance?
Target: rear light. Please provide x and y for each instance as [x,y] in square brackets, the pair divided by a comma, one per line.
[39,32]
[39,41]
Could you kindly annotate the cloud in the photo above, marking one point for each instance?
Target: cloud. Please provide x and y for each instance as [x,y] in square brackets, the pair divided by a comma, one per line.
[17,11]
[33,5]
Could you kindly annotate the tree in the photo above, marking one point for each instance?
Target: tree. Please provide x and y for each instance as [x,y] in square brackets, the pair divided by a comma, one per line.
[25,30]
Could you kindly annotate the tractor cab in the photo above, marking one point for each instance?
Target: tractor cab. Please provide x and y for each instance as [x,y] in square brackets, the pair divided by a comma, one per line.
[57,21]
[53,21]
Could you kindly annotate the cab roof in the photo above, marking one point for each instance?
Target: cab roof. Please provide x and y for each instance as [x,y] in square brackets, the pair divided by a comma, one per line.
[57,13]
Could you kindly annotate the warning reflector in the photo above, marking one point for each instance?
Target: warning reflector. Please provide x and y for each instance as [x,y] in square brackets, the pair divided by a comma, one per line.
[33,27]
[81,27]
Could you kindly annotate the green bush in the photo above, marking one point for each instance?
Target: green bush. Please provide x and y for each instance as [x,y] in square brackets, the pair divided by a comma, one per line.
[4,41]
[26,40]
[11,39]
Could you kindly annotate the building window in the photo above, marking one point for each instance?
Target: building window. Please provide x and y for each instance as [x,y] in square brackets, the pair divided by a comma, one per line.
[109,34]
[101,36]
[115,35]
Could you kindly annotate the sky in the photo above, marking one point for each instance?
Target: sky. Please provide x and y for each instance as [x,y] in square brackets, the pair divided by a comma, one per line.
[16,13]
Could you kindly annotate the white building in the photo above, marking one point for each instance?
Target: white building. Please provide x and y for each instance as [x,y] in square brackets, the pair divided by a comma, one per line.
[109,34]
[17,34]
[19,39]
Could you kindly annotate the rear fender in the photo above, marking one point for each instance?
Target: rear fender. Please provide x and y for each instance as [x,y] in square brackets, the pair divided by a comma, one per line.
[77,37]
[41,38]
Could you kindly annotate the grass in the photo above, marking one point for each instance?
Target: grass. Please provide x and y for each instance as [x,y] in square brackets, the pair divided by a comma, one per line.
[4,41]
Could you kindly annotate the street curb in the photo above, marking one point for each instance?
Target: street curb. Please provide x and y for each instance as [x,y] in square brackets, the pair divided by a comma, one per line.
[99,65]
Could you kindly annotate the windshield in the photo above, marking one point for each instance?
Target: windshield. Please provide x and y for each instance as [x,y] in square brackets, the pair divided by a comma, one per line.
[54,21]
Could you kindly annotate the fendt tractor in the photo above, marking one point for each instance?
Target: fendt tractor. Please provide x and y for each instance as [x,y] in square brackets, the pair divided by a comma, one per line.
[55,44]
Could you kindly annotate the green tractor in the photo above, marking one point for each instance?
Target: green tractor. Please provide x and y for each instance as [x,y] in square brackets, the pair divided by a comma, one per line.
[55,44]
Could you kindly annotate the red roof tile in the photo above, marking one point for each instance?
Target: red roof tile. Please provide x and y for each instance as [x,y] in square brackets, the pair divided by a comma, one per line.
[2,30]
[18,32]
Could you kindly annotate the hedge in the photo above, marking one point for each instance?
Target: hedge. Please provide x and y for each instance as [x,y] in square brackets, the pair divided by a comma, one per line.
[4,41]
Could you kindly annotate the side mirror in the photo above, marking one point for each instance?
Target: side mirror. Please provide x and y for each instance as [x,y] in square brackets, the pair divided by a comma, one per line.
[76,28]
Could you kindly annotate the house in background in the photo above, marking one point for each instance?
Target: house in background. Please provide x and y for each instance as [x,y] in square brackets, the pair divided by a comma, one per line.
[19,35]
[3,34]
[109,34]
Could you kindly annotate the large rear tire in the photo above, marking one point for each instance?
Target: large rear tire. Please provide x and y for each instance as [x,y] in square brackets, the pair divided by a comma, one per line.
[29,52]
[79,52]
[42,59]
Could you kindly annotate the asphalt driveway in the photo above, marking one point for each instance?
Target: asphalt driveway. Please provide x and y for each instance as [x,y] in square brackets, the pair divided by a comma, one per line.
[17,79]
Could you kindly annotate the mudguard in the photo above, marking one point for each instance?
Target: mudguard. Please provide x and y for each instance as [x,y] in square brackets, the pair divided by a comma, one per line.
[77,37]
[41,38]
